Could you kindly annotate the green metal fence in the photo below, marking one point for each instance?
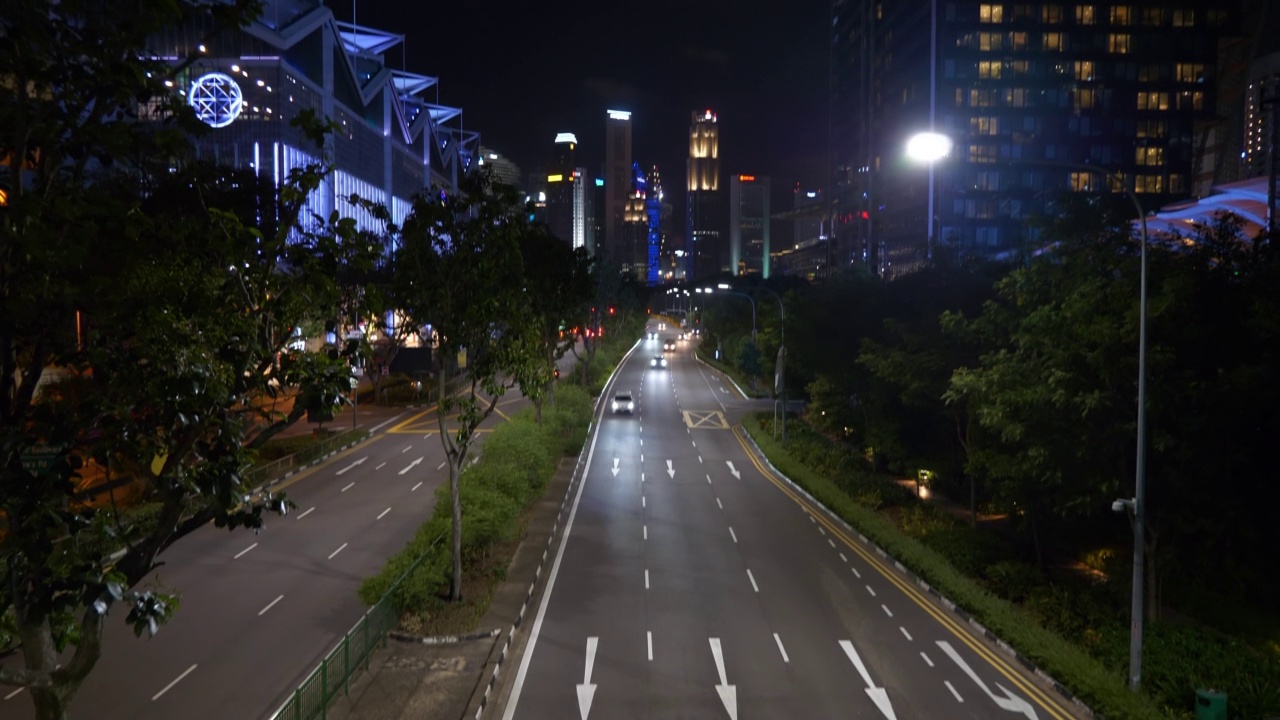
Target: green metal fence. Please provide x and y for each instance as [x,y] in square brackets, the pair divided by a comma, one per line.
[333,675]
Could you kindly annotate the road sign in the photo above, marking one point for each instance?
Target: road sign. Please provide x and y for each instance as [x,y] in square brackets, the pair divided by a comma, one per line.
[40,458]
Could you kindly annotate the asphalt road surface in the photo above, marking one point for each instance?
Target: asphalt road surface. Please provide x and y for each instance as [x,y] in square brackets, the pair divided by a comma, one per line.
[259,612]
[695,583]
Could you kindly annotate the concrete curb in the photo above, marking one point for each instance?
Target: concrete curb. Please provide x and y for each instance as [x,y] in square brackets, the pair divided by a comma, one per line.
[722,374]
[442,639]
[946,602]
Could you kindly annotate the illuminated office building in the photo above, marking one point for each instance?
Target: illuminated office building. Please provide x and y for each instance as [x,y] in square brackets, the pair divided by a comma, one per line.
[707,217]
[749,220]
[1027,93]
[567,198]
[617,180]
[248,83]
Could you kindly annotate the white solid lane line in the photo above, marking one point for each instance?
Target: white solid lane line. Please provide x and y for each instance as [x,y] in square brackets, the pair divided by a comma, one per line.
[175,682]
[752,578]
[306,513]
[242,552]
[270,605]
[384,513]
[349,486]
[335,552]
[781,649]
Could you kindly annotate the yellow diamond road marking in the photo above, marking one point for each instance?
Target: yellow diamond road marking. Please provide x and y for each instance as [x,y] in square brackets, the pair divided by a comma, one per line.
[708,420]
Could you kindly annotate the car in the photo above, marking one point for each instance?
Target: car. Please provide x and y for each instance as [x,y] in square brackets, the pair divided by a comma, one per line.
[658,362]
[668,346]
[623,403]
[651,336]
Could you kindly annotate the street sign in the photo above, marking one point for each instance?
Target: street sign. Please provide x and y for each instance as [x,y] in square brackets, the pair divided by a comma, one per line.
[40,458]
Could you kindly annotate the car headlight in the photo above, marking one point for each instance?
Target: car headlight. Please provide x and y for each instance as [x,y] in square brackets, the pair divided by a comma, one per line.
[615,405]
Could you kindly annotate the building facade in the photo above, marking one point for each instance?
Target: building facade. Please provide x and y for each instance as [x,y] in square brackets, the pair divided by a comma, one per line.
[617,179]
[567,201]
[749,225]
[248,83]
[707,214]
[1030,94]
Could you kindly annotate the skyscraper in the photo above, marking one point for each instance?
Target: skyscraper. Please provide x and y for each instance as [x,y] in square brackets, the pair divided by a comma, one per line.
[617,178]
[749,244]
[707,217]
[566,193]
[1028,93]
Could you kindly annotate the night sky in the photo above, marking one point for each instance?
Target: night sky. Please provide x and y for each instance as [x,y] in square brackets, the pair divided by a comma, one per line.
[523,71]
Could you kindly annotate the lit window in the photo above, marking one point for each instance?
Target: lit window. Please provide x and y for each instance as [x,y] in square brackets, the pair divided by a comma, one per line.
[1121,15]
[990,13]
[1085,15]
[1019,67]
[1017,41]
[980,98]
[1051,14]
[1190,72]
[1118,43]
[990,41]
[983,153]
[1053,41]
[1084,70]
[1191,100]
[984,125]
[1015,97]
[989,69]
[1148,183]
[1149,156]
[1151,100]
[1085,98]
[1081,181]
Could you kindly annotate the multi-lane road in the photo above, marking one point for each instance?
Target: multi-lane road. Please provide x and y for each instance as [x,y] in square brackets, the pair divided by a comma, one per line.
[258,612]
[694,582]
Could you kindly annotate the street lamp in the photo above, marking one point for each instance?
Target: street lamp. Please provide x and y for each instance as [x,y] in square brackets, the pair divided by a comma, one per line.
[928,147]
[780,381]
[725,288]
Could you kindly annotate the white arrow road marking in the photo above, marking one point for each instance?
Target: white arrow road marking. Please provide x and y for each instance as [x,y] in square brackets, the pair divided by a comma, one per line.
[728,693]
[615,467]
[587,691]
[176,680]
[670,470]
[878,695]
[410,465]
[733,470]
[361,460]
[1009,702]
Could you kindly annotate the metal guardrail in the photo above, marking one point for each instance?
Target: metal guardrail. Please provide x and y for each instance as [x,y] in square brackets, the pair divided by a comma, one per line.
[311,699]
[259,475]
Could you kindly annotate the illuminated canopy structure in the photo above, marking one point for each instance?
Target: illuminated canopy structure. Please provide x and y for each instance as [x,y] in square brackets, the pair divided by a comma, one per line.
[1246,199]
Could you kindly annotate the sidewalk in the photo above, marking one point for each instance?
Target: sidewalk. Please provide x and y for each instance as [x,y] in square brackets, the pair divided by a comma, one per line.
[448,678]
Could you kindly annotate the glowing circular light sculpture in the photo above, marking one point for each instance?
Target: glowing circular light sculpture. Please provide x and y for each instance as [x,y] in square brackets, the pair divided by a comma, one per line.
[216,99]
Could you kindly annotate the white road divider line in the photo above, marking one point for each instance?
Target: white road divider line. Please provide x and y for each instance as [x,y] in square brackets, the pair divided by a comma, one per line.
[821,530]
[242,552]
[719,503]
[752,578]
[831,542]
[176,680]
[873,592]
[383,513]
[843,558]
[349,486]
[308,512]
[335,552]
[646,579]
[953,690]
[380,465]
[886,609]
[415,487]
[643,503]
[904,632]
[926,659]
[646,532]
[856,573]
[406,449]
[411,465]
[649,638]
[441,465]
[270,605]
[14,694]
[781,649]
[733,535]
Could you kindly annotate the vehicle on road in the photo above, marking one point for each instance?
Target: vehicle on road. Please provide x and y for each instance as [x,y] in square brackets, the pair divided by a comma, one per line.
[668,346]
[657,362]
[623,403]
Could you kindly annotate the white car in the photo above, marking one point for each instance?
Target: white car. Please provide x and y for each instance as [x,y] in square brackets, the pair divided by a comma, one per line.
[623,403]
[658,362]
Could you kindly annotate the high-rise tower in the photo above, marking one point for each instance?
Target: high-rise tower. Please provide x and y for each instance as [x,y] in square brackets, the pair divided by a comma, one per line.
[617,178]
[566,193]
[749,243]
[707,217]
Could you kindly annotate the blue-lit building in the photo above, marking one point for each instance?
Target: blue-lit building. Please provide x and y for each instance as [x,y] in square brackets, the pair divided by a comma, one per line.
[248,83]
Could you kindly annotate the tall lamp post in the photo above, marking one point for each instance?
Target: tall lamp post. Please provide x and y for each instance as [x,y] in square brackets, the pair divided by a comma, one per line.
[780,381]
[931,147]
[724,288]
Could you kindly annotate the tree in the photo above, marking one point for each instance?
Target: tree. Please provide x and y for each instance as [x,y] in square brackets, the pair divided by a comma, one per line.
[143,311]
[458,270]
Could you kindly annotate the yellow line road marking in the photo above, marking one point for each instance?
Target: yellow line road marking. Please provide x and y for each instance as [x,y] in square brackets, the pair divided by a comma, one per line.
[961,632]
[705,420]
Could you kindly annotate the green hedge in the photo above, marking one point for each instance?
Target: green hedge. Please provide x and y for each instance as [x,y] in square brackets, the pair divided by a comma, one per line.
[516,462]
[1101,689]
